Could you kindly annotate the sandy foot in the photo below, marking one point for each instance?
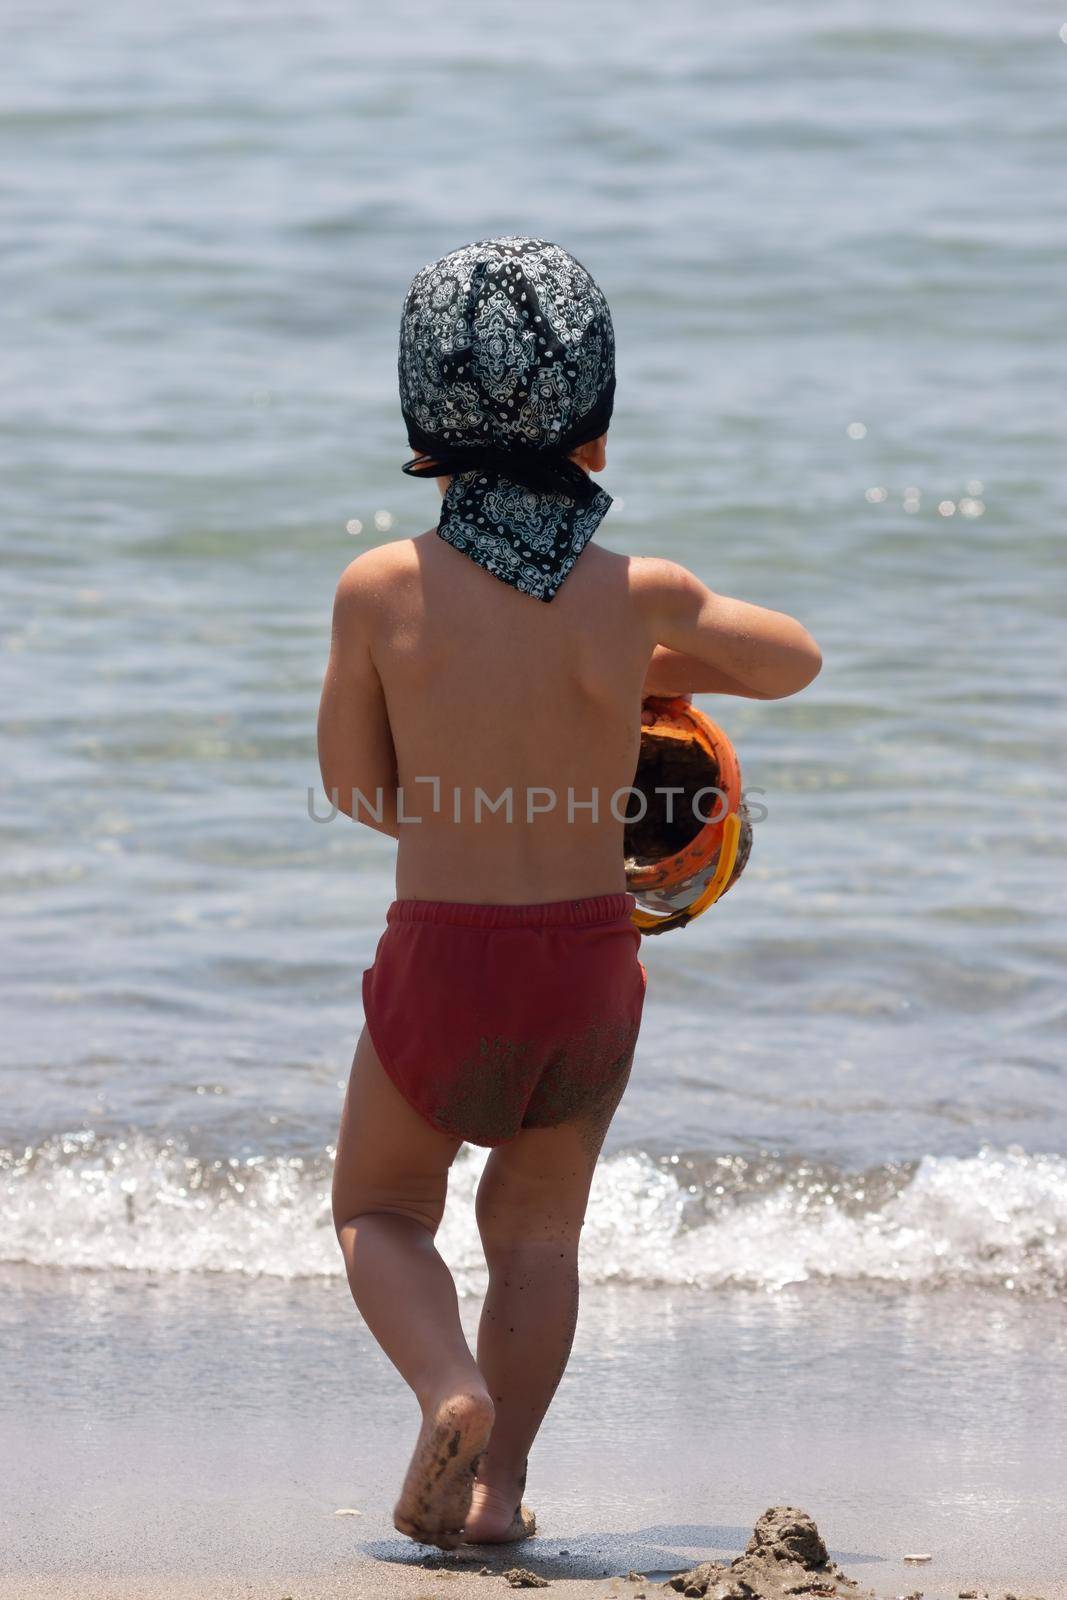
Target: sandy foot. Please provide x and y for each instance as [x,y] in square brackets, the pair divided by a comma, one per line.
[436,1496]
[494,1518]
[523,1525]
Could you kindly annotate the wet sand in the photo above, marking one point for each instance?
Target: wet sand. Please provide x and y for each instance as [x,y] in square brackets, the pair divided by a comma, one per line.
[198,1437]
[765,1571]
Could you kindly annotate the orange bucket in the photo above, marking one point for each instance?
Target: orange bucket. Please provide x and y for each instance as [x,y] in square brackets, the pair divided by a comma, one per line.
[688,833]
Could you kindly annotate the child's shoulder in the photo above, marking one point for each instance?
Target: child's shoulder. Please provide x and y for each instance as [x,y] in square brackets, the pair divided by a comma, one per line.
[376,570]
[656,581]
[658,573]
[644,573]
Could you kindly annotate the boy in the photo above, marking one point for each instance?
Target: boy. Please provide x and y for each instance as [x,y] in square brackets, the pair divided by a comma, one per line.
[482,705]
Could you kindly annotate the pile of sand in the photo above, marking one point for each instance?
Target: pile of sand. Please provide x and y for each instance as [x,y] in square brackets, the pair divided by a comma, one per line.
[785,1556]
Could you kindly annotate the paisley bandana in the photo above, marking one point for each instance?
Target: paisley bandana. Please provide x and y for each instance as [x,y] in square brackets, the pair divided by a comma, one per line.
[507,364]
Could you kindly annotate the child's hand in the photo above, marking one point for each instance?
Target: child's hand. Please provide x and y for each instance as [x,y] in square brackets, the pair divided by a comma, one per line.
[650,703]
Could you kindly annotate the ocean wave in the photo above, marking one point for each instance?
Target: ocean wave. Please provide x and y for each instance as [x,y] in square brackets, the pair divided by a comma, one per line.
[997,1219]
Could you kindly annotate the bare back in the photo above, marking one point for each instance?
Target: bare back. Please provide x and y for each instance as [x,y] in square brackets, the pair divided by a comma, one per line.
[489,690]
[510,728]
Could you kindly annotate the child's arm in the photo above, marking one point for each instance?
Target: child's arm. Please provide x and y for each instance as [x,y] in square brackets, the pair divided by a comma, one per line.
[709,644]
[356,754]
[673,673]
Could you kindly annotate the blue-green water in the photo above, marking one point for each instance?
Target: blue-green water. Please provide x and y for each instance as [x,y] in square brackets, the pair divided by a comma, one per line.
[833,245]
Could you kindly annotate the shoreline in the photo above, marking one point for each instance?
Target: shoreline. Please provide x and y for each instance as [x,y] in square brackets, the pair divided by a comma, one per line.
[597,1573]
[198,1437]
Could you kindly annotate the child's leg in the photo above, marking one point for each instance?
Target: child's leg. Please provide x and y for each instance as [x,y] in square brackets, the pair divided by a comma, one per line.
[531,1205]
[390,1180]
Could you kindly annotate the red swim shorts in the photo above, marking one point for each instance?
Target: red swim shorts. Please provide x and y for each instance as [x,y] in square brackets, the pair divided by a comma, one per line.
[494,1018]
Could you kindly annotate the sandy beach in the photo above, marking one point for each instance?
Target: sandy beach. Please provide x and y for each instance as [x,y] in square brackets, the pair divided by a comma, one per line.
[165,1439]
[595,1573]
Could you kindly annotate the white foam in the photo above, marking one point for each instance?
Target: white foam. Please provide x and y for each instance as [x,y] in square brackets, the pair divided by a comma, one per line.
[997,1219]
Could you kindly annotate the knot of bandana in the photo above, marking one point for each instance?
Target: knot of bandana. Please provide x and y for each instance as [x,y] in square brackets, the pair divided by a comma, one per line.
[533,469]
[507,365]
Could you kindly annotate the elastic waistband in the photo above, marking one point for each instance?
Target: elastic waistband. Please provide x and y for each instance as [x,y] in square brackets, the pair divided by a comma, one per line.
[549,914]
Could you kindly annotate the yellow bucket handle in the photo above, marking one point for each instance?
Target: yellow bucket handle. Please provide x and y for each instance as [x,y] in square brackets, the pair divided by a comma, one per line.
[648,922]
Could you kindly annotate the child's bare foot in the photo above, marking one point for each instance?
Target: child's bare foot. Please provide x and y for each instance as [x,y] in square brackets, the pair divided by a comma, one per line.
[496,1514]
[436,1496]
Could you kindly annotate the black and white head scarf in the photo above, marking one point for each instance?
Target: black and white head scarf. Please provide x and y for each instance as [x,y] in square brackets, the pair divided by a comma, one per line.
[507,364]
